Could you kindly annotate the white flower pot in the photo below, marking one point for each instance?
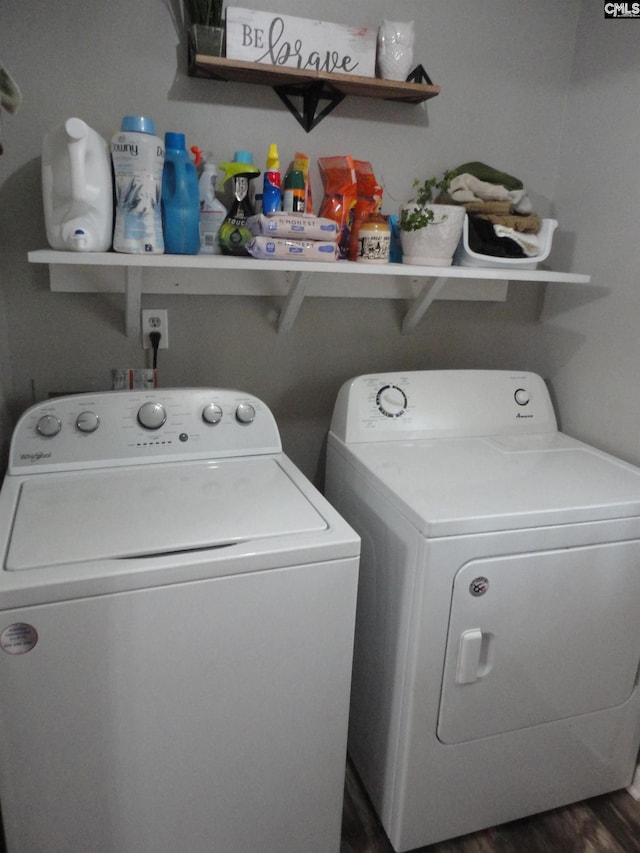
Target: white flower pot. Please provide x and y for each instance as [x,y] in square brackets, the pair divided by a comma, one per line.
[434,245]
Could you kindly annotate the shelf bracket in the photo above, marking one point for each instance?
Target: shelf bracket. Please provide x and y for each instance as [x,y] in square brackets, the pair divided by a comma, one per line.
[311,95]
[430,290]
[133,300]
[292,303]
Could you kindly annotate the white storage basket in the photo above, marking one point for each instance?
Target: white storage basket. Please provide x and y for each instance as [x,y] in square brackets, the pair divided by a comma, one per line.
[465,257]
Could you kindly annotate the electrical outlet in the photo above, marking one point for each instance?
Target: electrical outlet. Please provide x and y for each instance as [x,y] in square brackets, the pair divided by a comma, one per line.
[155,320]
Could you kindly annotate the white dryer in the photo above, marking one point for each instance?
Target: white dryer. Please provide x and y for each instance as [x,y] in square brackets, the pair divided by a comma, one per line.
[498,622]
[177,607]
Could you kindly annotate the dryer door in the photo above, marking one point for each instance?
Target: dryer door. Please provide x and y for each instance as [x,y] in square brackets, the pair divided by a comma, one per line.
[539,637]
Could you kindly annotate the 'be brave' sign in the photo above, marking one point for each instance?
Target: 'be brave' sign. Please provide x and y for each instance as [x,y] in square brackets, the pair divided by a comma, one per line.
[283,40]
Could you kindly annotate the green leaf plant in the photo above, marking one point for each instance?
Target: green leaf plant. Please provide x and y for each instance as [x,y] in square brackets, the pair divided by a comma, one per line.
[417,213]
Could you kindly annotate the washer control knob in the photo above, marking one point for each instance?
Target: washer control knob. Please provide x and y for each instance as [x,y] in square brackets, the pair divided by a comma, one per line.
[48,425]
[152,415]
[212,414]
[522,396]
[245,413]
[391,401]
[87,422]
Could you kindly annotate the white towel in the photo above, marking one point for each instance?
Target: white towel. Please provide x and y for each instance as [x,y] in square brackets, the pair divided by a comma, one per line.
[529,243]
[467,187]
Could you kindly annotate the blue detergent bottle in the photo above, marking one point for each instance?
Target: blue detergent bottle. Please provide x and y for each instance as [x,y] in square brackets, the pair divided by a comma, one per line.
[180,199]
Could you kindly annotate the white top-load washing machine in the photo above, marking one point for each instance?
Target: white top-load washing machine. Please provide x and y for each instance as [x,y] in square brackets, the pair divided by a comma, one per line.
[177,607]
[498,623]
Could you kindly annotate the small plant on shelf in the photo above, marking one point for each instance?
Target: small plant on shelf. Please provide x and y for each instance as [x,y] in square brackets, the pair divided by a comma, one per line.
[422,242]
[418,212]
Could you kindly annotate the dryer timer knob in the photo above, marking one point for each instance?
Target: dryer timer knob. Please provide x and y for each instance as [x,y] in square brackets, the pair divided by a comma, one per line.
[391,401]
[522,396]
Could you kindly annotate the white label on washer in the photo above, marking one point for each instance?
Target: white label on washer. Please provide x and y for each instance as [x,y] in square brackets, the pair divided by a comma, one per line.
[18,639]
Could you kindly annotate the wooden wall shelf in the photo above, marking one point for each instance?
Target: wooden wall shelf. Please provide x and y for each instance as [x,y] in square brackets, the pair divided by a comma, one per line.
[312,86]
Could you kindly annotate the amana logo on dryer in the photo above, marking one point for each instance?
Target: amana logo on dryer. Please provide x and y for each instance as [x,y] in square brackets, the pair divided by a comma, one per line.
[34,457]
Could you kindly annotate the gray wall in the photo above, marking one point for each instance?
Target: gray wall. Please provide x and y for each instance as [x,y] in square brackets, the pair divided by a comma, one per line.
[505,71]
[588,344]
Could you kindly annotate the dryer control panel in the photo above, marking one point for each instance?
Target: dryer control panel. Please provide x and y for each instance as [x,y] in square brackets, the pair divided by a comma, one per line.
[442,403]
[125,427]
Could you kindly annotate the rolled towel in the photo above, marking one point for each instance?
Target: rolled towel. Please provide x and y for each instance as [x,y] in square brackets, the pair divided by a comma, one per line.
[484,241]
[524,224]
[502,208]
[529,243]
[490,175]
[467,188]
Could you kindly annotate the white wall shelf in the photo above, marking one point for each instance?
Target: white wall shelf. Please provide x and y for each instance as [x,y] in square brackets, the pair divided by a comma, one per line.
[218,275]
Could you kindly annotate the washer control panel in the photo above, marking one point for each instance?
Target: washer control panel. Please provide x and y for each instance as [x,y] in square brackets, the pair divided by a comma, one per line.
[124,427]
[440,403]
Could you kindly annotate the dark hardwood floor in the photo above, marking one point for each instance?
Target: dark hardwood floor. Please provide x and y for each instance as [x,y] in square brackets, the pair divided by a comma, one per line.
[606,824]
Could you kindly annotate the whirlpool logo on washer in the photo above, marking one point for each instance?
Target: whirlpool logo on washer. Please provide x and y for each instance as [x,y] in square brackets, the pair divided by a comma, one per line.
[34,457]
[622,10]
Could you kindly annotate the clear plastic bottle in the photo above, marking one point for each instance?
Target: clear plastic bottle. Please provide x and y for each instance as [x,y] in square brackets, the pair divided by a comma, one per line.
[180,198]
[138,160]
[77,188]
[212,211]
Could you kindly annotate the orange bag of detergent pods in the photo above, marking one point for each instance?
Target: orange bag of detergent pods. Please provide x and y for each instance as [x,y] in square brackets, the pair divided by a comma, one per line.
[340,196]
[369,202]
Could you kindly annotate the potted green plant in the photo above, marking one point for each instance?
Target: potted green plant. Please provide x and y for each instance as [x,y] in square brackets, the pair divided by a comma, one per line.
[430,231]
[206,31]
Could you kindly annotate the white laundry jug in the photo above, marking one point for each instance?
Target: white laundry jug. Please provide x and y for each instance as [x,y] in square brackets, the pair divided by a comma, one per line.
[77,188]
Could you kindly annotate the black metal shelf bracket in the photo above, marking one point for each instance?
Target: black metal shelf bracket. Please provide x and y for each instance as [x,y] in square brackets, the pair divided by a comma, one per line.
[312,94]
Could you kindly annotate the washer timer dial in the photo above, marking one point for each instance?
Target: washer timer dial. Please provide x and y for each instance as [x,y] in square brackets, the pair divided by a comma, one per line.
[152,415]
[391,401]
[48,426]
[245,413]
[87,422]
[212,414]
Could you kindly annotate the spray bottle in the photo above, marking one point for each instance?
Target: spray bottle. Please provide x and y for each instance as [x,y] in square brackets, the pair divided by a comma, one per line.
[272,194]
[212,211]
[234,235]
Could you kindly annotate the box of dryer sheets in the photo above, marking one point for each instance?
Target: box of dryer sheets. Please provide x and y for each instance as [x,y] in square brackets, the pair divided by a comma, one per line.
[284,40]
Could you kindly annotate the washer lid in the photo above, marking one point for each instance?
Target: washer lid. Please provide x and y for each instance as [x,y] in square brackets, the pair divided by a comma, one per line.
[472,485]
[117,513]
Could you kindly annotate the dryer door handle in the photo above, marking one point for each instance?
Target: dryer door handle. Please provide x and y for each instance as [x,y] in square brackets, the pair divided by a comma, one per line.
[473,656]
